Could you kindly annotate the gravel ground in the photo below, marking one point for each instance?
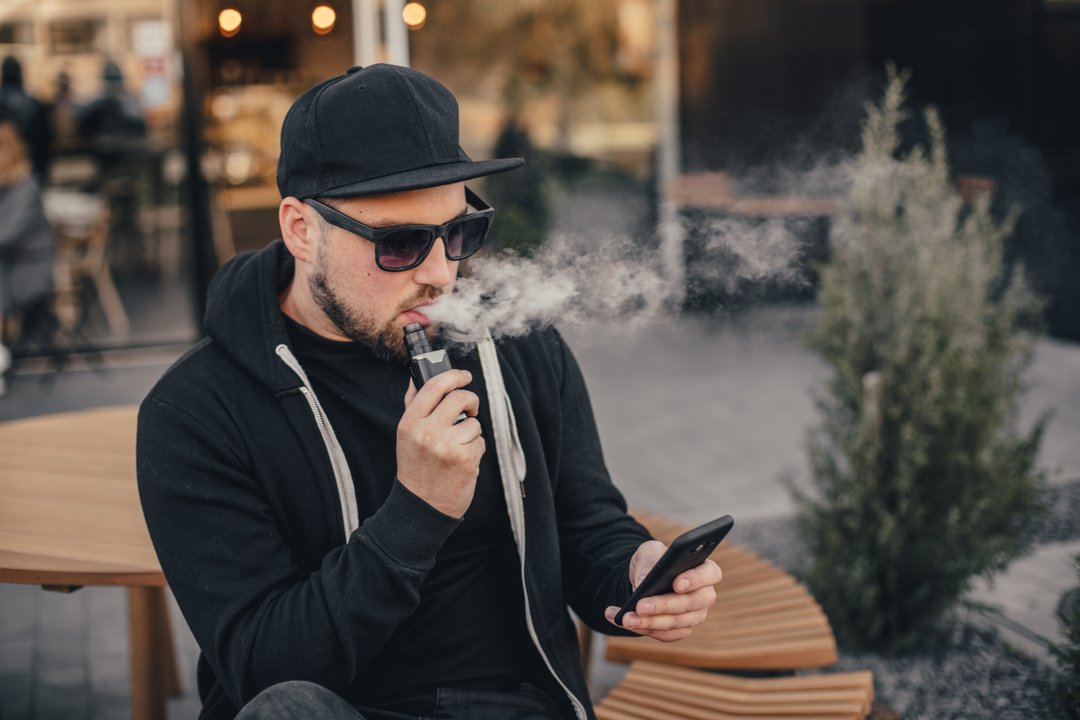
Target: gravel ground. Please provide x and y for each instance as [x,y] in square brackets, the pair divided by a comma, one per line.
[965,670]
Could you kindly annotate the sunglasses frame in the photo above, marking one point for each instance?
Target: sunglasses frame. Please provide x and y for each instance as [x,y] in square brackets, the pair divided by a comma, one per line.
[377,235]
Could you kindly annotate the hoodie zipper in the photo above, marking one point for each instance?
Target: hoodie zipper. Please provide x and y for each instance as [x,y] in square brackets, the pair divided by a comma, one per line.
[513,460]
[343,479]
[507,442]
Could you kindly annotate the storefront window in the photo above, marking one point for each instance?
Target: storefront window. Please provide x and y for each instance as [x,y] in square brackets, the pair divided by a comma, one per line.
[94,88]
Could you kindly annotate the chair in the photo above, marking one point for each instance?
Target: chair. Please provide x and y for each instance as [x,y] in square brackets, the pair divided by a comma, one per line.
[81,254]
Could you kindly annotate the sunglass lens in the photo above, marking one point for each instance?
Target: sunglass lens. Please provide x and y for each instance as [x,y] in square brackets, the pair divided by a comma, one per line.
[404,248]
[465,238]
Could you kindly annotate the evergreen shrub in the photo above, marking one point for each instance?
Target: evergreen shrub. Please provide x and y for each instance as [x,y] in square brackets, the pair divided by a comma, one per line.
[921,479]
[521,197]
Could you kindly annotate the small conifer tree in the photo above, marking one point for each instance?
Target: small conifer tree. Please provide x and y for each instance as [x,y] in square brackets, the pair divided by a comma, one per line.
[921,478]
[522,205]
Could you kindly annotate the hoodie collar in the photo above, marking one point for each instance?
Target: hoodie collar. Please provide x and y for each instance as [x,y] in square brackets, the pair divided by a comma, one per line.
[243,315]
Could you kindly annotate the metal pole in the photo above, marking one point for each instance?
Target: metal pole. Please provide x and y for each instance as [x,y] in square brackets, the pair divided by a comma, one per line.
[397,35]
[669,162]
[204,260]
[365,32]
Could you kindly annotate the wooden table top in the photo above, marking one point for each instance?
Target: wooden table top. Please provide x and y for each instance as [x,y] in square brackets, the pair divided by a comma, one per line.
[69,504]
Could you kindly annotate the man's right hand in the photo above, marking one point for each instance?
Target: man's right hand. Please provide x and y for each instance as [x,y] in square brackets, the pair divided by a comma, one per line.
[438,458]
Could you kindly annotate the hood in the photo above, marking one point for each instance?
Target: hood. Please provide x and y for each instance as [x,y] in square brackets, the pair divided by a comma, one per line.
[243,316]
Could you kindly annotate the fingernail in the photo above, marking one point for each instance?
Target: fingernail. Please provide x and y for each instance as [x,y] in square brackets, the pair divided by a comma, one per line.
[610,614]
[630,621]
[684,584]
[646,608]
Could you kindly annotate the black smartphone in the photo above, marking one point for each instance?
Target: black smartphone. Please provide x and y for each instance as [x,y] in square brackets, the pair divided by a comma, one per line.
[687,551]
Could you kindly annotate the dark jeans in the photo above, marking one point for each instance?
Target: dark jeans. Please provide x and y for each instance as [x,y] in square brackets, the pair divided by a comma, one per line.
[299,700]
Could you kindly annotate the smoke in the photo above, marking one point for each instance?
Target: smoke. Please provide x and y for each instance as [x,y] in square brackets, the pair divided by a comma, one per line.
[737,251]
[613,283]
[574,282]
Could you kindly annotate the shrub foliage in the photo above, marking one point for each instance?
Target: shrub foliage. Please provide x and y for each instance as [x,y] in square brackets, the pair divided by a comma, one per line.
[921,477]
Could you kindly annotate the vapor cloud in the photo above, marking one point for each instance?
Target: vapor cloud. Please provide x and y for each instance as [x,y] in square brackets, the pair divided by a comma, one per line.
[610,283]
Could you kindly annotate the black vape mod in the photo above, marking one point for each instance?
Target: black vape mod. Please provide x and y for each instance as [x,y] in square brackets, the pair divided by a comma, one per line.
[424,363]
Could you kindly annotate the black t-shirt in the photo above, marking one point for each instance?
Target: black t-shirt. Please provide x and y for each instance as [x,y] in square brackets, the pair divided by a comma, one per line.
[469,629]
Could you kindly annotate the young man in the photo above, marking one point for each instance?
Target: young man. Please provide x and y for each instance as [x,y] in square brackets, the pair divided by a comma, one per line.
[340,544]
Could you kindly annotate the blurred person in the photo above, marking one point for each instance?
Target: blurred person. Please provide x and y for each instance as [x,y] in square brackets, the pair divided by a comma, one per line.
[341,544]
[62,113]
[26,244]
[27,115]
[113,123]
[113,127]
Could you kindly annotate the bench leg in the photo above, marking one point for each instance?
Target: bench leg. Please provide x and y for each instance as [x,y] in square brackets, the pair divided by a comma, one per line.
[154,674]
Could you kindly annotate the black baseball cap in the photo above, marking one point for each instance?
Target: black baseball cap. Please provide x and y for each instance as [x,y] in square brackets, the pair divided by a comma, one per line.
[377,129]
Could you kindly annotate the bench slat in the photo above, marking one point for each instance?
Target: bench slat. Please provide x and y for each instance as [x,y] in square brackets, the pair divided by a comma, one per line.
[651,691]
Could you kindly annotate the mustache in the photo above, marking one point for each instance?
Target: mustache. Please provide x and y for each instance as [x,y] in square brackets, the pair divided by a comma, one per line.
[427,294]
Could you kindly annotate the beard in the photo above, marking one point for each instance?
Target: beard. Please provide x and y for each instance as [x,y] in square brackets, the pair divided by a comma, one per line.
[385,341]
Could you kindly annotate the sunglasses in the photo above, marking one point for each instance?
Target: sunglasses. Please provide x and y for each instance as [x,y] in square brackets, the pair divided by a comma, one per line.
[403,247]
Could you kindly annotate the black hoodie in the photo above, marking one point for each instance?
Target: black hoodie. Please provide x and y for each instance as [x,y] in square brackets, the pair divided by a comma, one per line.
[240,488]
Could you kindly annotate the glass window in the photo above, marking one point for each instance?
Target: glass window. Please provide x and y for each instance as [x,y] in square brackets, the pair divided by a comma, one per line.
[18,32]
[79,36]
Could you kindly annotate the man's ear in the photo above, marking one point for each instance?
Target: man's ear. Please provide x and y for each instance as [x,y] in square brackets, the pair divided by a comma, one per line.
[299,231]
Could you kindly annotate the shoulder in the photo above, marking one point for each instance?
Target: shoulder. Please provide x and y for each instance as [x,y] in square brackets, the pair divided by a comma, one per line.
[205,400]
[536,350]
[203,377]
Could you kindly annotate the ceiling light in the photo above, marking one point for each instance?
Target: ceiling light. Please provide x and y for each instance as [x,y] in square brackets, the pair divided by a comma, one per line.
[229,20]
[323,18]
[415,15]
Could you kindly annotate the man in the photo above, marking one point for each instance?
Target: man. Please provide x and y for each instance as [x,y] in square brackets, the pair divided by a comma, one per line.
[340,544]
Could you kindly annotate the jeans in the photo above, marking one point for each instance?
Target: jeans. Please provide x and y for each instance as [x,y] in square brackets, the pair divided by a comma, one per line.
[300,700]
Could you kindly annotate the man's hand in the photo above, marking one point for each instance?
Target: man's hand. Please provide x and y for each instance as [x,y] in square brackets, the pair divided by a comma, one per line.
[672,616]
[438,458]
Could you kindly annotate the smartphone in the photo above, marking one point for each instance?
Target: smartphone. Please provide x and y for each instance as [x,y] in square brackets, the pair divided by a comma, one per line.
[687,551]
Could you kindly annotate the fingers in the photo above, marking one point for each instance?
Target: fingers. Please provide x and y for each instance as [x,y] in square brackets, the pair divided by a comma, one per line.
[465,432]
[453,405]
[706,574]
[656,612]
[424,401]
[644,558]
[672,616]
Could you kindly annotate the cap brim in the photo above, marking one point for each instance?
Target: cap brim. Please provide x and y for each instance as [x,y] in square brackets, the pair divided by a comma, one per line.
[425,177]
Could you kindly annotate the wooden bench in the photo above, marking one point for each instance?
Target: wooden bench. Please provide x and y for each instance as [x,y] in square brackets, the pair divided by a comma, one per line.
[651,691]
[763,619]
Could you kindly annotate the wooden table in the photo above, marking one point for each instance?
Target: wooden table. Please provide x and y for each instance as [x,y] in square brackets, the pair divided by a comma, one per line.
[70,516]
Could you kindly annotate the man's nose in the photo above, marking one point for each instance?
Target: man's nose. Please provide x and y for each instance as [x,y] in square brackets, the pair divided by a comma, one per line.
[436,270]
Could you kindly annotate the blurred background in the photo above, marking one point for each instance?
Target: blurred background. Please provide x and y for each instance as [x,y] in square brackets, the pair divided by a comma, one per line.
[692,102]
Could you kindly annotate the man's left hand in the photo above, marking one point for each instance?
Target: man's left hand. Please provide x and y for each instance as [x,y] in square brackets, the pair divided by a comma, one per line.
[672,616]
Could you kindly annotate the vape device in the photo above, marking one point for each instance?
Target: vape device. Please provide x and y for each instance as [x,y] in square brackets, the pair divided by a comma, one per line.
[424,363]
